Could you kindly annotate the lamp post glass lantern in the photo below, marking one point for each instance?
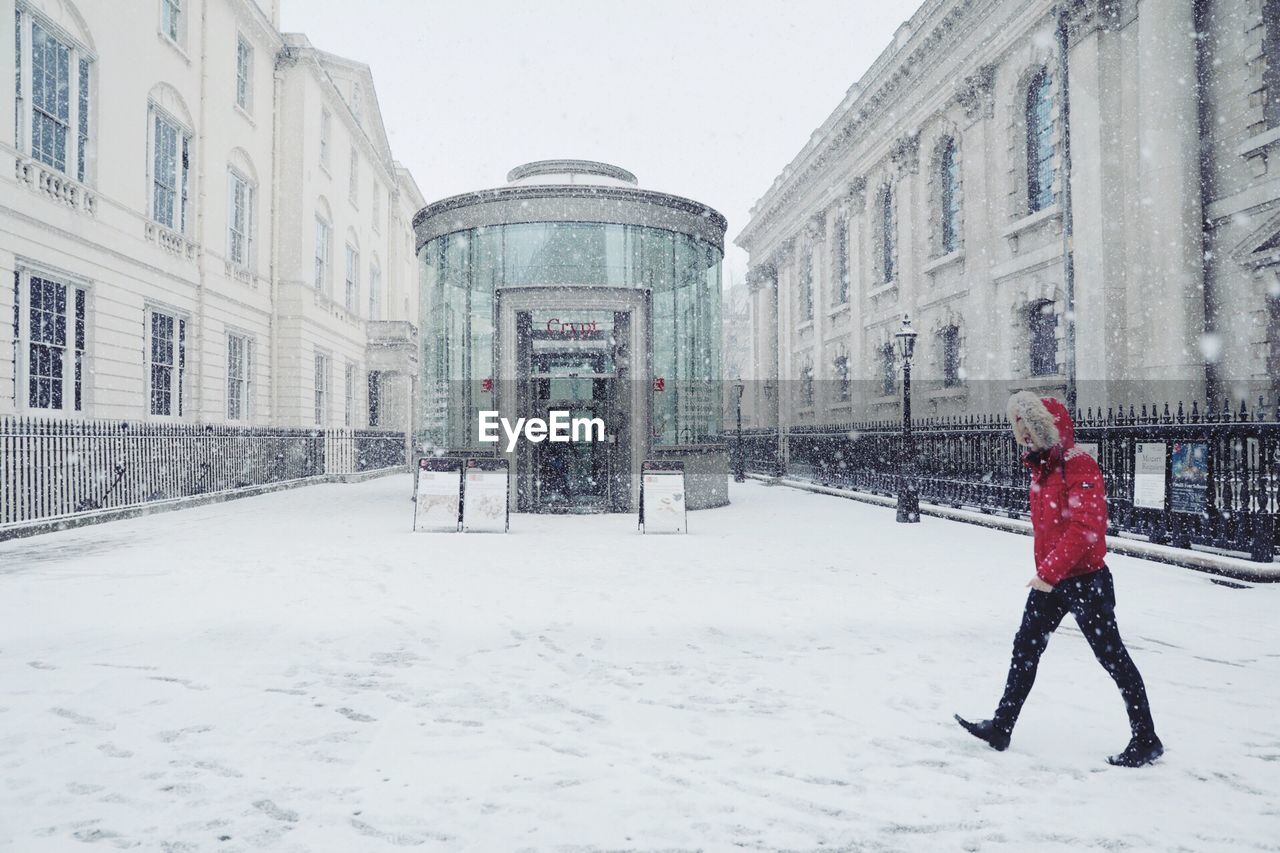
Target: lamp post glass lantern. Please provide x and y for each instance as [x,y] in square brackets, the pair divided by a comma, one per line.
[908,497]
[740,462]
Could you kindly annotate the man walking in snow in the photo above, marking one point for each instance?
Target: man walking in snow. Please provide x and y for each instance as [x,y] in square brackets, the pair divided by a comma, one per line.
[1069,520]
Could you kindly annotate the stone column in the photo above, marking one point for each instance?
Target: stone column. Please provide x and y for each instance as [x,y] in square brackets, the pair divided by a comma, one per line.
[1171,278]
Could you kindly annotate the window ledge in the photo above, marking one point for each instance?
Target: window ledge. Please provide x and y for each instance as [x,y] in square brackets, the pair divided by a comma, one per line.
[807,325]
[886,400]
[1051,380]
[241,273]
[836,310]
[882,289]
[56,186]
[245,114]
[324,167]
[1026,223]
[179,49]
[1258,142]
[947,393]
[171,241]
[943,261]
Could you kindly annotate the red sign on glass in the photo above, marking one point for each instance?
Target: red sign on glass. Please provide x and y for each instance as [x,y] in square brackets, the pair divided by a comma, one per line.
[486,385]
[660,384]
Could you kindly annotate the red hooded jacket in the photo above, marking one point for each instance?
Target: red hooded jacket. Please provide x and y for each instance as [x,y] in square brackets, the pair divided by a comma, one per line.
[1068,505]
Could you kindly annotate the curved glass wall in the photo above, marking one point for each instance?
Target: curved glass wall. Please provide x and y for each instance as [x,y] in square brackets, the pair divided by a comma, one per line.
[461,271]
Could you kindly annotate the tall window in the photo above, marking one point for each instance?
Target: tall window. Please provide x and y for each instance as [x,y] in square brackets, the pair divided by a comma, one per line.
[352,301]
[168,362]
[353,178]
[1042,334]
[842,261]
[888,236]
[1039,141]
[170,172]
[244,74]
[349,395]
[377,207]
[322,390]
[324,251]
[325,122]
[949,197]
[840,366]
[1271,58]
[171,19]
[950,356]
[239,219]
[375,398]
[888,377]
[806,382]
[52,116]
[375,293]
[53,338]
[806,285]
[239,378]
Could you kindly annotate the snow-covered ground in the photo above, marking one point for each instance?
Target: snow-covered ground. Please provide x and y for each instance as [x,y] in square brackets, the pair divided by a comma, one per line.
[299,672]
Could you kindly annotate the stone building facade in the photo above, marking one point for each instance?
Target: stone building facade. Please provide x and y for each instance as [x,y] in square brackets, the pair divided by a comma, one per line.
[163,177]
[938,189]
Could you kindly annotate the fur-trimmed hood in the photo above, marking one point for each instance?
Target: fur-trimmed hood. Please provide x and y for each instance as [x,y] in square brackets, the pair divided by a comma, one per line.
[1046,419]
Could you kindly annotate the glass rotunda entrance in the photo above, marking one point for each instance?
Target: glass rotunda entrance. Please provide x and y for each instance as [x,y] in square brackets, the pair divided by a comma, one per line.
[570,290]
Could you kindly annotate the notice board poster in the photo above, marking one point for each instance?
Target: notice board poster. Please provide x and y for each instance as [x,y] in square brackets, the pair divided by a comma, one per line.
[484,497]
[662,501]
[1190,482]
[1148,474]
[437,494]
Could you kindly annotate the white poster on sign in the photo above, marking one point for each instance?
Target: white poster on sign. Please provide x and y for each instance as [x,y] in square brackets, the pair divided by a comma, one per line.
[485,507]
[1148,475]
[664,510]
[437,501]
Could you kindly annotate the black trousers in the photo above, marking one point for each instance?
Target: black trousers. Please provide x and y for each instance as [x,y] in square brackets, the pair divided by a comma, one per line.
[1091,599]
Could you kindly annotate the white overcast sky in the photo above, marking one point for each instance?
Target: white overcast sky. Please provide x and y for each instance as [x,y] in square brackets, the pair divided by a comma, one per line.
[708,99]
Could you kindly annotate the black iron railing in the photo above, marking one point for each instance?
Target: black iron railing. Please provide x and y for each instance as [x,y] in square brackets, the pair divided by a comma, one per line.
[52,467]
[1221,476]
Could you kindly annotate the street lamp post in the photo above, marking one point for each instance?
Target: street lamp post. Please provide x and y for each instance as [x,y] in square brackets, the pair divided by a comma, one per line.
[740,463]
[908,499]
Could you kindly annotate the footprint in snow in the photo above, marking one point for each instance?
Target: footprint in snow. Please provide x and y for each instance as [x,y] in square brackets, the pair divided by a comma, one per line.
[356,716]
[39,664]
[273,811]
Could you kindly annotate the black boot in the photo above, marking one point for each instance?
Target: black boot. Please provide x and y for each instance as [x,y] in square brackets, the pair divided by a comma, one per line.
[986,730]
[1142,749]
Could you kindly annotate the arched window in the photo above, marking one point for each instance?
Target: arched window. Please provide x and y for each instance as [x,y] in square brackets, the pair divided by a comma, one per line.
[950,356]
[840,366]
[842,260]
[1039,141]
[887,373]
[949,197]
[887,235]
[806,285]
[1042,327]
[55,122]
[806,382]
[1271,55]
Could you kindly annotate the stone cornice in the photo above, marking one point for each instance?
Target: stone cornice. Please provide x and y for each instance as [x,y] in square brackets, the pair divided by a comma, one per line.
[977,93]
[1085,17]
[877,92]
[905,154]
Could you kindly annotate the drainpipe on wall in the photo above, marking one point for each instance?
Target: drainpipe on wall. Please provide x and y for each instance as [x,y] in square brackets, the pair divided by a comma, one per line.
[1068,260]
[282,60]
[1211,380]
[195,347]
